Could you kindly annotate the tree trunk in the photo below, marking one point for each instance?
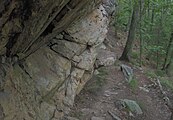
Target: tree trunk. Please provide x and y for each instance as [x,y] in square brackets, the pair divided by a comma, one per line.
[169,66]
[131,35]
[129,19]
[140,32]
[168,53]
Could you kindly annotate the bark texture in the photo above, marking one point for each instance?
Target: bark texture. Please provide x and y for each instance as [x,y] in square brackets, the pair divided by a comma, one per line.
[131,34]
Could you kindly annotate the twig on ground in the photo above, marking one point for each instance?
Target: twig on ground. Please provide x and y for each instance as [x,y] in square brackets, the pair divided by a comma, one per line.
[166,98]
[114,116]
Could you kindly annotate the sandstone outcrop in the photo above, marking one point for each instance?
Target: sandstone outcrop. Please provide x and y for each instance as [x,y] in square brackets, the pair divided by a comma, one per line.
[41,82]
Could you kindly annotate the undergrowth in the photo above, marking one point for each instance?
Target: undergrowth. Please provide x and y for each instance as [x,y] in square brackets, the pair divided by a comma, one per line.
[133,84]
[167,83]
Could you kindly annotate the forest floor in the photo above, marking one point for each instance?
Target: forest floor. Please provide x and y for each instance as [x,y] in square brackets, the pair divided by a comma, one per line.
[101,94]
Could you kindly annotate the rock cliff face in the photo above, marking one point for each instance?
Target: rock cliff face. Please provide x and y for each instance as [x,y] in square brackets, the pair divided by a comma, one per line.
[48,64]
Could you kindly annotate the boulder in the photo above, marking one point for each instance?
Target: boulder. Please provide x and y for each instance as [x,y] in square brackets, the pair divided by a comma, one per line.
[128,72]
[132,106]
[54,59]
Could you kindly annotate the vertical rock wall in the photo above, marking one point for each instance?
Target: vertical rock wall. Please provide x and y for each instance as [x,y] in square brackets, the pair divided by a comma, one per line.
[44,85]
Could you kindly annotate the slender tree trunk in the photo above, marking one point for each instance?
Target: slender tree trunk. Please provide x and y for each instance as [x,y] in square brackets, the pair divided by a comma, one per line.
[131,35]
[152,18]
[130,16]
[140,30]
[169,66]
[160,35]
[157,53]
[168,51]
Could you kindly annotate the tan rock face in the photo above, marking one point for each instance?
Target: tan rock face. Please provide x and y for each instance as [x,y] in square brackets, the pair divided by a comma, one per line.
[47,69]
[44,85]
[91,30]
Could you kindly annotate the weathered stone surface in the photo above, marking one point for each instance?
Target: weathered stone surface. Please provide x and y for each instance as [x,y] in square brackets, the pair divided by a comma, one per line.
[92,30]
[87,59]
[2,51]
[109,6]
[43,86]
[87,76]
[132,106]
[68,49]
[19,87]
[72,85]
[1,113]
[47,111]
[71,118]
[105,58]
[48,69]
[128,72]
[58,115]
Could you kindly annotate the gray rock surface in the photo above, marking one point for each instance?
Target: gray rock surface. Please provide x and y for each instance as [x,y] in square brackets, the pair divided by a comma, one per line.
[68,49]
[132,106]
[86,31]
[128,72]
[44,85]
[109,6]
[105,58]
[71,118]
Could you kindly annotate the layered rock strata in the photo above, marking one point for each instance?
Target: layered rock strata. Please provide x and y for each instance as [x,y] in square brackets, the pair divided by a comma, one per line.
[41,82]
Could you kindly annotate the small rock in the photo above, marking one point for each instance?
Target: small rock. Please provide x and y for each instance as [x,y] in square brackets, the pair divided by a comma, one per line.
[106,95]
[86,111]
[103,46]
[97,118]
[114,116]
[96,72]
[132,106]
[144,89]
[127,71]
[109,93]
[59,37]
[71,118]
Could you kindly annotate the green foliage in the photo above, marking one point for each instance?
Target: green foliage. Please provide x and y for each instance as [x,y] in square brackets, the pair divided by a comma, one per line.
[156,27]
[167,83]
[133,84]
[160,73]
[150,74]
[123,13]
[155,74]
[135,55]
[78,115]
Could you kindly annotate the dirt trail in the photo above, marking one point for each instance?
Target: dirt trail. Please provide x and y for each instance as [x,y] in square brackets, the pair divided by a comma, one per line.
[97,102]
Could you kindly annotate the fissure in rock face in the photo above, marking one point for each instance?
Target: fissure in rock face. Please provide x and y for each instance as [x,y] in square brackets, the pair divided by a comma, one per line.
[48,51]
